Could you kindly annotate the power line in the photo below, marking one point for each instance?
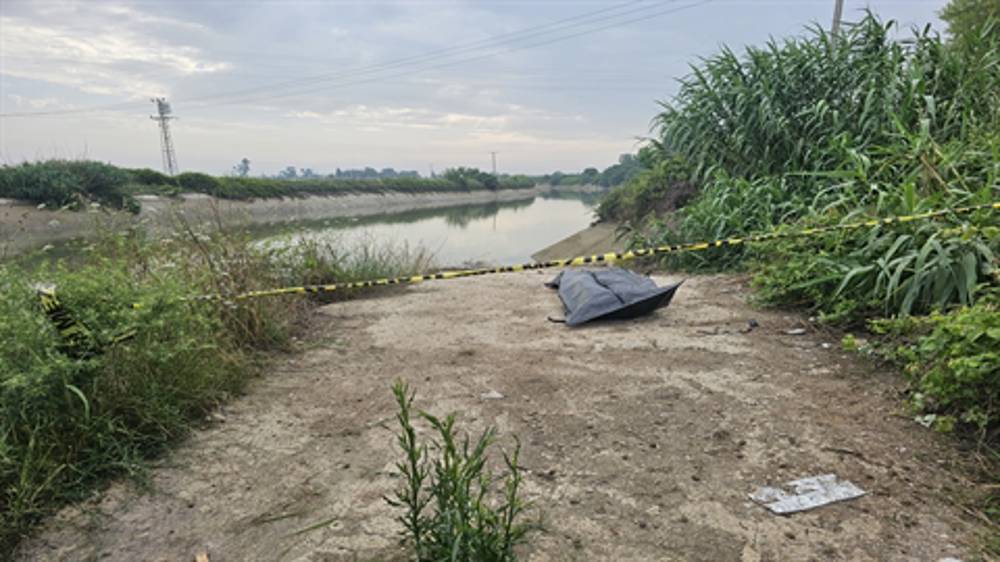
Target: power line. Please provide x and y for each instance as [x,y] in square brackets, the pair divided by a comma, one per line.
[493,41]
[455,62]
[91,109]
[363,69]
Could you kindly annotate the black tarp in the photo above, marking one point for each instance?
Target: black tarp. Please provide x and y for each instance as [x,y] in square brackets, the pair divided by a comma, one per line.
[608,294]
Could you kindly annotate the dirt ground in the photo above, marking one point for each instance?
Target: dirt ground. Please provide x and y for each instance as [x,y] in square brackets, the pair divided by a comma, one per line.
[642,439]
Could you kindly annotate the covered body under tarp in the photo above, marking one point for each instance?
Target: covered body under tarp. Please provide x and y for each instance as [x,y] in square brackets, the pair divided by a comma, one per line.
[608,294]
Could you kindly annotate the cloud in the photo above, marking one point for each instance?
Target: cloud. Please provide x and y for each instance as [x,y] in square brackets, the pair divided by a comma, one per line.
[137,17]
[110,60]
[35,103]
[381,117]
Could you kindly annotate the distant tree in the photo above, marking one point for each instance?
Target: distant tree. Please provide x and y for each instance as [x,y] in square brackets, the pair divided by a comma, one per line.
[242,169]
[628,167]
[288,173]
[471,177]
[307,173]
[966,19]
[589,175]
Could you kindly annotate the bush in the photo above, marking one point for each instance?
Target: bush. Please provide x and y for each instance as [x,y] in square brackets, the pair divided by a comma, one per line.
[136,379]
[200,183]
[953,361]
[468,519]
[66,183]
[145,176]
[657,190]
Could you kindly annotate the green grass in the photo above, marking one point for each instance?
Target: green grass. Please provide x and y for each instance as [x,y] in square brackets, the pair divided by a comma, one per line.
[70,421]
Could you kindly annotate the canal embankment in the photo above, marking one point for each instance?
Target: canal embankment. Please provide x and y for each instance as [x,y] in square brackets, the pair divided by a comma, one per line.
[24,226]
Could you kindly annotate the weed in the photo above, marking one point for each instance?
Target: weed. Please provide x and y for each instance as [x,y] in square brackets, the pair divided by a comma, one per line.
[69,423]
[452,510]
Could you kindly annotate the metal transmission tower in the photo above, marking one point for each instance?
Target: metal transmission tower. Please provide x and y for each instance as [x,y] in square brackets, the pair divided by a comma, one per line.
[166,143]
[494,155]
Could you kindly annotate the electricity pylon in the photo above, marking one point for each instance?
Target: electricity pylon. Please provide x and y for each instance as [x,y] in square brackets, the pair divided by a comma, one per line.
[166,143]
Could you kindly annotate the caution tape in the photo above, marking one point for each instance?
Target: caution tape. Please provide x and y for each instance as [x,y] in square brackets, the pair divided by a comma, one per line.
[77,339]
[609,257]
[80,341]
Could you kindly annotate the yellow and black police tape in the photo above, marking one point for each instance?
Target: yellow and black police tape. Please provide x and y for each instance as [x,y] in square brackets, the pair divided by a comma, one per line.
[609,257]
[80,341]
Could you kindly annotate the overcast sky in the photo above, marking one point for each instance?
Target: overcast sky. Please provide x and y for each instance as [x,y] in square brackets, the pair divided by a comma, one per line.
[548,84]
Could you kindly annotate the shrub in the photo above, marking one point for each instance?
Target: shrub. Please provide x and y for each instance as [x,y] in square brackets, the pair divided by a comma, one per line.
[66,183]
[953,360]
[145,176]
[72,416]
[662,188]
[451,509]
[199,183]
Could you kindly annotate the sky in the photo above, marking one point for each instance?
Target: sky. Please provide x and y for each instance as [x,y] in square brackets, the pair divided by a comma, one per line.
[415,84]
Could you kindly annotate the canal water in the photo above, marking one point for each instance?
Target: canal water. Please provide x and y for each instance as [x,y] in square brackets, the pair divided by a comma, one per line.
[495,233]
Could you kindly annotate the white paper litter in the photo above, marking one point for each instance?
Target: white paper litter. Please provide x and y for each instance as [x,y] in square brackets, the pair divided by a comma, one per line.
[806,493]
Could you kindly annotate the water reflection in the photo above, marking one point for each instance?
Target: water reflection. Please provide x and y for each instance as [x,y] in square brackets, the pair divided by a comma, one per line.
[496,233]
[492,233]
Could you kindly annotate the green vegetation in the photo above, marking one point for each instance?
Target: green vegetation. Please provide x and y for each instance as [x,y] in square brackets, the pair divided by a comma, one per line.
[628,167]
[69,421]
[967,19]
[662,186]
[76,184]
[68,183]
[472,178]
[452,510]
[812,132]
[951,360]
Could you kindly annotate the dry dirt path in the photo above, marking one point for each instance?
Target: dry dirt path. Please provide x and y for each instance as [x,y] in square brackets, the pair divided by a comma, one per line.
[642,439]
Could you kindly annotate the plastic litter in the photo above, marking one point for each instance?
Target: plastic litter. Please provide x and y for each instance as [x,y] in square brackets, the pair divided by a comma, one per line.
[806,493]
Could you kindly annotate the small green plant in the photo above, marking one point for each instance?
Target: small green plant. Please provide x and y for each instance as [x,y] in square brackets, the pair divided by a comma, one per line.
[952,361]
[453,510]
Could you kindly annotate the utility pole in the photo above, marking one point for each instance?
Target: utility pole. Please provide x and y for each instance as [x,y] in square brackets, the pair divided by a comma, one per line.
[163,116]
[838,11]
[494,155]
